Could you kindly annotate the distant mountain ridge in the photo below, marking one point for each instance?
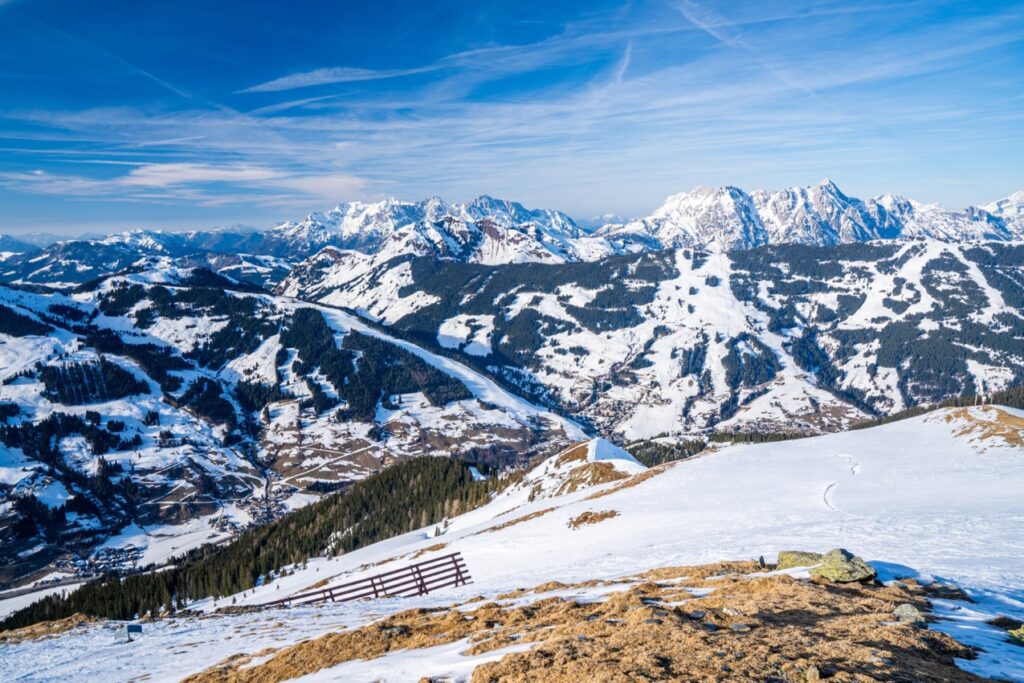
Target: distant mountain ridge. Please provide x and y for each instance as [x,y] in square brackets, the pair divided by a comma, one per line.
[493,231]
[730,218]
[496,231]
[484,230]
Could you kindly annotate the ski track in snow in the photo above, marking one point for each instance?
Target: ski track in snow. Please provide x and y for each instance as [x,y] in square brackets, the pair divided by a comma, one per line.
[830,489]
[481,387]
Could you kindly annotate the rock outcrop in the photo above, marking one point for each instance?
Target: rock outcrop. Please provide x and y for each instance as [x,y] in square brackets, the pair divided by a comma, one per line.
[842,566]
[797,558]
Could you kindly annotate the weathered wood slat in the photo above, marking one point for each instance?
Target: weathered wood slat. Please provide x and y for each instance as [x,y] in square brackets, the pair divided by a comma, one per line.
[421,578]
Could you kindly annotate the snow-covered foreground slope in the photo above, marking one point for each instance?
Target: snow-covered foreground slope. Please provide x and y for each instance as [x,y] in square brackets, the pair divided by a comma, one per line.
[940,493]
[936,497]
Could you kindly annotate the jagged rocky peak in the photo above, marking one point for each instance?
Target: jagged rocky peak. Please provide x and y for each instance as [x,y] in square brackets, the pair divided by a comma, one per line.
[820,214]
[1010,210]
[432,226]
[724,217]
[392,213]
[511,213]
[721,217]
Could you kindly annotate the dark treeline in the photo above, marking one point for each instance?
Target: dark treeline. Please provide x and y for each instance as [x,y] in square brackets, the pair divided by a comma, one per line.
[203,293]
[206,398]
[1012,398]
[17,325]
[406,496]
[253,396]
[113,500]
[81,383]
[756,437]
[382,368]
[749,362]
[156,361]
[652,452]
[932,364]
[623,283]
[8,410]
[39,440]
[204,277]
[102,494]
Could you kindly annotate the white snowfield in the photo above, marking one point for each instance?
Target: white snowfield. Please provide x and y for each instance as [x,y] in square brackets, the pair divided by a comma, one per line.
[937,497]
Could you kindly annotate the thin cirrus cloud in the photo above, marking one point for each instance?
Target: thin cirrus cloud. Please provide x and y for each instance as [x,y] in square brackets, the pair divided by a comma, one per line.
[478,64]
[185,181]
[167,175]
[332,75]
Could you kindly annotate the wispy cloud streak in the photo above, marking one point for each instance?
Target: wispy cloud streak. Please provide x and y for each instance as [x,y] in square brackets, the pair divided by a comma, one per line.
[332,75]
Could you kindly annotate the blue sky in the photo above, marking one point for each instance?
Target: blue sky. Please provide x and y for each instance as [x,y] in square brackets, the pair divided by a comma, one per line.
[117,115]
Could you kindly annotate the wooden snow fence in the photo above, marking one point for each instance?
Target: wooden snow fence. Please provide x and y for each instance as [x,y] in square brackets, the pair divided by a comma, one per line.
[416,579]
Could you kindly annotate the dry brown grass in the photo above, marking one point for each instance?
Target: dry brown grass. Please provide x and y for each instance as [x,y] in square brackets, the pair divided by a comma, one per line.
[632,481]
[695,575]
[996,424]
[590,474]
[577,453]
[513,522]
[506,512]
[547,588]
[429,549]
[844,632]
[43,629]
[589,517]
[783,628]
[550,586]
[319,584]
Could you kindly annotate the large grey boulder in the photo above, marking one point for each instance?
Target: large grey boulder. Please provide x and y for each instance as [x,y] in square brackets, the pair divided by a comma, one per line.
[842,566]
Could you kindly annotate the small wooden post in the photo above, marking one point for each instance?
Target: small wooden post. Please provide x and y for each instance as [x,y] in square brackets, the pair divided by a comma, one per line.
[421,585]
[458,571]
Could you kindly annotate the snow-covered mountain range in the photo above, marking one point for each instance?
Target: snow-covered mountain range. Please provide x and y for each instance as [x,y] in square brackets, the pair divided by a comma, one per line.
[729,218]
[495,231]
[484,230]
[181,387]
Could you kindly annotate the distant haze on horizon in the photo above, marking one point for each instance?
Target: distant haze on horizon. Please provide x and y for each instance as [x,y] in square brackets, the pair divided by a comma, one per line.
[118,115]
